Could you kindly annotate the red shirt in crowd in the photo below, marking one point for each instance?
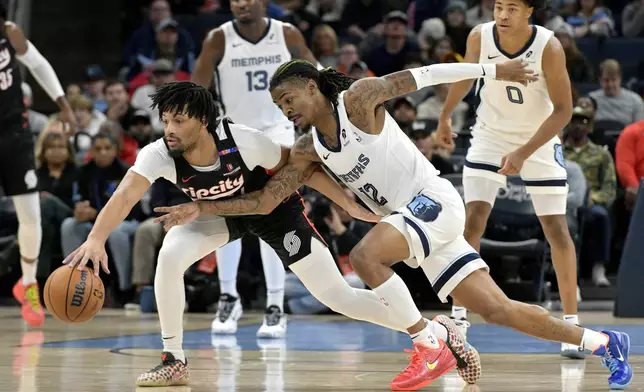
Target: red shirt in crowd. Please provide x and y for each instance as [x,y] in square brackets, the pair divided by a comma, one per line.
[629,155]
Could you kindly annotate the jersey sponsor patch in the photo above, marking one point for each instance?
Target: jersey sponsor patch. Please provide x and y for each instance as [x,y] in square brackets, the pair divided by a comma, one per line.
[424,208]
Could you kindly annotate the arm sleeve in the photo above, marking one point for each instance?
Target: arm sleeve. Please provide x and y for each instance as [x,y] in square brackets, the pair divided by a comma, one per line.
[42,71]
[255,148]
[153,162]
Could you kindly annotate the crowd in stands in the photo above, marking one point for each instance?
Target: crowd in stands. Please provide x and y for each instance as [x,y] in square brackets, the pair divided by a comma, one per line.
[604,143]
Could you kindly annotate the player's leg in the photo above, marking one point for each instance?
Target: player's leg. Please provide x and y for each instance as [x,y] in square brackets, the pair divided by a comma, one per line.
[274,324]
[29,237]
[480,294]
[229,308]
[481,183]
[545,177]
[19,181]
[182,246]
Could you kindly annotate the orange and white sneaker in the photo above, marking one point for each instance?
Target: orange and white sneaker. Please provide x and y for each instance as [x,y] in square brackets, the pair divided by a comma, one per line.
[468,359]
[170,372]
[29,297]
[426,365]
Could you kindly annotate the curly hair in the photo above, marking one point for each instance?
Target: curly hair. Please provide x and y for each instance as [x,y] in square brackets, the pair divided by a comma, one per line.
[187,98]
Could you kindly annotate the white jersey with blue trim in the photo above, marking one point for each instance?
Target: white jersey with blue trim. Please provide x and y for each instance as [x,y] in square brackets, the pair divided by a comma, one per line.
[244,72]
[386,170]
[510,108]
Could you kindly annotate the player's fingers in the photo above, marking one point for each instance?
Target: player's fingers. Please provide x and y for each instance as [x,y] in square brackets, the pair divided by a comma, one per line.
[104,264]
[83,262]
[97,265]
[161,219]
[164,209]
[77,258]
[69,258]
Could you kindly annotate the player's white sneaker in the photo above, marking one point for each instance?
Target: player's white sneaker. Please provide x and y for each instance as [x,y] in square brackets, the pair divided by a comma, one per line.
[462,325]
[274,325]
[229,311]
[571,351]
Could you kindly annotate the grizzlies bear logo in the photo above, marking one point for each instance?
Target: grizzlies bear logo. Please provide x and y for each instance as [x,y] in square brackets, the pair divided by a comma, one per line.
[424,208]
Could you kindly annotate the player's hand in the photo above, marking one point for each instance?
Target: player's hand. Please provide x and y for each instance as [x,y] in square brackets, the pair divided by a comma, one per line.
[177,215]
[444,134]
[359,212]
[515,71]
[69,120]
[90,250]
[512,163]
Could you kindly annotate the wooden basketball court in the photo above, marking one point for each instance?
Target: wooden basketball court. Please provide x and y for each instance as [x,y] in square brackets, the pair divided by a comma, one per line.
[320,353]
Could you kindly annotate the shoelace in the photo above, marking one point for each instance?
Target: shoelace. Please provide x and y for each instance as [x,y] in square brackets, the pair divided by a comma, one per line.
[609,361]
[415,362]
[225,308]
[273,316]
[31,294]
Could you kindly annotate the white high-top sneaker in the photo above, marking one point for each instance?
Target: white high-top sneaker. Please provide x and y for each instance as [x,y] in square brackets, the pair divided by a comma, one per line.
[229,311]
[274,325]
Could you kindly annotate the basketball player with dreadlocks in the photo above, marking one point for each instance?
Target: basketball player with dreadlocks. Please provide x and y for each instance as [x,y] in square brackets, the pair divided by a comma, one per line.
[423,214]
[243,54]
[17,164]
[516,133]
[210,159]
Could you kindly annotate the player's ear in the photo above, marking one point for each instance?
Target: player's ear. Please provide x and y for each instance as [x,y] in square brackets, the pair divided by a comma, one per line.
[311,86]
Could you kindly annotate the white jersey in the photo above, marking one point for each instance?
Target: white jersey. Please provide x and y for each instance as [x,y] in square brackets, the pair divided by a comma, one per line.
[244,72]
[386,171]
[509,107]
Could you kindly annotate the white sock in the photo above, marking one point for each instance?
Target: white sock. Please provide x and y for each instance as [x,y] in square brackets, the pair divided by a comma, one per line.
[227,264]
[28,271]
[274,274]
[459,312]
[438,329]
[571,318]
[592,340]
[395,294]
[172,344]
[276,298]
[426,337]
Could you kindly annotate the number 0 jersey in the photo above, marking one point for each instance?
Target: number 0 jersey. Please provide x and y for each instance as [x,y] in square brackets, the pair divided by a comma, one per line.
[244,72]
[509,107]
[386,171]
[11,104]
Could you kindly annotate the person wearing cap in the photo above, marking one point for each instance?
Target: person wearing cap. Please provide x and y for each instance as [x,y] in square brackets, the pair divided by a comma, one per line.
[359,70]
[390,56]
[599,170]
[456,25]
[94,85]
[167,46]
[162,73]
[404,112]
[423,138]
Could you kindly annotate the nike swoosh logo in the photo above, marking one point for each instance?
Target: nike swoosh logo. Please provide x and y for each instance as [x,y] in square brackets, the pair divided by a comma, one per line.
[326,156]
[169,337]
[431,365]
[188,179]
[492,57]
[236,45]
[620,357]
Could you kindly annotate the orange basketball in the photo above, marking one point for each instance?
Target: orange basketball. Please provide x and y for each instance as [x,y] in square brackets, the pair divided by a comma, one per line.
[74,296]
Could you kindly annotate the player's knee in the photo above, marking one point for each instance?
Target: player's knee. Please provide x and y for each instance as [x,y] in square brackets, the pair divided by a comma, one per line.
[476,219]
[497,312]
[360,258]
[169,258]
[556,230]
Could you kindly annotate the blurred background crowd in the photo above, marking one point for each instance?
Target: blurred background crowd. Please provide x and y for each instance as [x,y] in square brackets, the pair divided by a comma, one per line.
[110,74]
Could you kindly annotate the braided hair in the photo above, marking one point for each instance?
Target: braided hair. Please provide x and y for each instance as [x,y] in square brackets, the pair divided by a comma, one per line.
[330,82]
[186,98]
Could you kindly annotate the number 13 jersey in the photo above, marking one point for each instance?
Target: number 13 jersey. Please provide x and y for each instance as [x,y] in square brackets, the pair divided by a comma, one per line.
[386,170]
[244,72]
[508,107]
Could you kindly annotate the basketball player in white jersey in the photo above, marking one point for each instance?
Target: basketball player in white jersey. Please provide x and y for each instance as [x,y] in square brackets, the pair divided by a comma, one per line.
[516,133]
[423,214]
[243,55]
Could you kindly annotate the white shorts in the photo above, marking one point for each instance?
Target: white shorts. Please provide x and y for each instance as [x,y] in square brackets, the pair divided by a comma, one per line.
[543,173]
[432,223]
[283,133]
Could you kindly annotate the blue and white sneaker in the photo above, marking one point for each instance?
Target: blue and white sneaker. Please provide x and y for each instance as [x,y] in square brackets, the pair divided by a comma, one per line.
[615,358]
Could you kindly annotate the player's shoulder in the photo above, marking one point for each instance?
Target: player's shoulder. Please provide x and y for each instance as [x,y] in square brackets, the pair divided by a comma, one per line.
[216,38]
[157,147]
[303,148]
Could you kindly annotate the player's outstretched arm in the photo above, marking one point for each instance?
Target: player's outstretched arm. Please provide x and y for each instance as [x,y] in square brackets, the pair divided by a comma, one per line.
[369,93]
[41,70]
[212,50]
[127,194]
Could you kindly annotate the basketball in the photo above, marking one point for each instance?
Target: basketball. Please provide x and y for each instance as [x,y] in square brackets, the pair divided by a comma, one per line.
[74,296]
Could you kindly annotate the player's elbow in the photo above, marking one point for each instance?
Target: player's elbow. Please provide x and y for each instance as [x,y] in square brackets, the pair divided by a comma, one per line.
[564,110]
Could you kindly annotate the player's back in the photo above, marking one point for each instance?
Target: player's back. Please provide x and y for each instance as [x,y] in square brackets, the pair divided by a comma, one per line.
[244,73]
[386,171]
[11,104]
[510,107]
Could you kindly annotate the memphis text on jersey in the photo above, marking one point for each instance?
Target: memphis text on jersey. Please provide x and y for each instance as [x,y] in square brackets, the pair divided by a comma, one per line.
[255,61]
[357,170]
[224,188]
